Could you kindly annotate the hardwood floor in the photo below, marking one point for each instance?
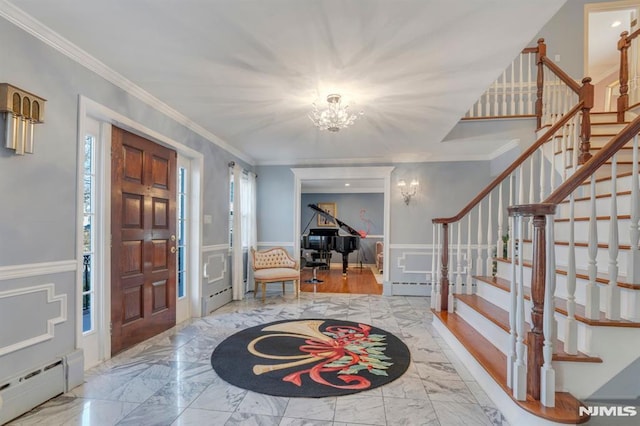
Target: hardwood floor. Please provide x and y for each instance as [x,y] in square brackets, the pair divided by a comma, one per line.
[358,281]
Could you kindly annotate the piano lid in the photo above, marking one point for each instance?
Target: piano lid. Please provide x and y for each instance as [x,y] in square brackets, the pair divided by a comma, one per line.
[329,217]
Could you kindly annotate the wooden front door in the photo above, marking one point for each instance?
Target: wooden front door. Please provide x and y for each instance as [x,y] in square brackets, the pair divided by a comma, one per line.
[143,242]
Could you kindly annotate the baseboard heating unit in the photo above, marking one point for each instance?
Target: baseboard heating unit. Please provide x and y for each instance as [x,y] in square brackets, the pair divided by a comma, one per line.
[30,389]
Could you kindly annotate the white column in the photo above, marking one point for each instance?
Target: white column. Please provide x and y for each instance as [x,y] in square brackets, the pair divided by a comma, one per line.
[479,262]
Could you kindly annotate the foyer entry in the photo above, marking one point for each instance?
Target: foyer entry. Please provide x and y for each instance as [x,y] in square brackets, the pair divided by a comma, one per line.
[143,244]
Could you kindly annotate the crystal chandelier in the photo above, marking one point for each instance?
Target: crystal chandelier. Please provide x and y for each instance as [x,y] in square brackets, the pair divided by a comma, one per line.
[335,116]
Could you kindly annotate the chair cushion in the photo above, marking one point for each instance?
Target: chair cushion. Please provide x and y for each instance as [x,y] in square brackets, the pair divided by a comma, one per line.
[276,274]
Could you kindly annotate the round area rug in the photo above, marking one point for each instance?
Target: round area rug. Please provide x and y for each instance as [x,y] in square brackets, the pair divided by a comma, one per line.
[310,358]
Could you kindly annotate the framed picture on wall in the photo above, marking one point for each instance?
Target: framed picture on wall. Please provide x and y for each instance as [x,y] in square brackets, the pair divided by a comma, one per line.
[330,208]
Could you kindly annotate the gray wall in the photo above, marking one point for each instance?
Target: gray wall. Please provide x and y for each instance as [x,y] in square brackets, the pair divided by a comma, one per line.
[38,217]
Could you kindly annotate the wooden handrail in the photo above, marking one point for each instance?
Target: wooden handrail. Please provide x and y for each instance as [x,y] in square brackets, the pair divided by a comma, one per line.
[573,85]
[541,140]
[589,168]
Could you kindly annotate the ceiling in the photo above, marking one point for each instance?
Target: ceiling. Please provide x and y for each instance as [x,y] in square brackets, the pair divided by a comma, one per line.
[245,72]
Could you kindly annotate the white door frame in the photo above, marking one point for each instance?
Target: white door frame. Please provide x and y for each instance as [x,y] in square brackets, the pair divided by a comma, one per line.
[91,110]
[328,173]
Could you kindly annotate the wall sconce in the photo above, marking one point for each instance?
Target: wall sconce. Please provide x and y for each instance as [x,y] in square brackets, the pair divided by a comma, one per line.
[20,111]
[408,191]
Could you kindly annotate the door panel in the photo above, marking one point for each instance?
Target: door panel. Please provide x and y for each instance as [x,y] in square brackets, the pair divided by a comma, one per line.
[143,239]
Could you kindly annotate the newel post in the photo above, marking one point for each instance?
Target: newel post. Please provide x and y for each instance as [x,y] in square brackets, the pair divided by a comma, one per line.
[623,100]
[586,96]
[535,338]
[542,52]
[444,276]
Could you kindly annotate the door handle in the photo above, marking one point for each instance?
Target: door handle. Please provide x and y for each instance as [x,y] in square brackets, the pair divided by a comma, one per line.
[173,249]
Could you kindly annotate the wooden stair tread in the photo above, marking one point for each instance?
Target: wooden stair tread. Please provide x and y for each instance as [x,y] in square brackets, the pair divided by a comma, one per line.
[587,198]
[500,317]
[586,218]
[495,364]
[560,306]
[601,278]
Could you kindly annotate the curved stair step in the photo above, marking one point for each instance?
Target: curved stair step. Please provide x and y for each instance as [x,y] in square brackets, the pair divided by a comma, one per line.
[495,364]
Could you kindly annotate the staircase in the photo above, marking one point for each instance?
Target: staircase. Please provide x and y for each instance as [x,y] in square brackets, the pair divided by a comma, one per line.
[541,307]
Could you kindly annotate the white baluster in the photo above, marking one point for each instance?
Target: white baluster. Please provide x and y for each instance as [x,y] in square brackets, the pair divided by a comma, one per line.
[522,86]
[512,104]
[530,85]
[500,242]
[489,238]
[552,177]
[592,308]
[496,107]
[548,374]
[479,262]
[633,261]
[520,368]
[513,306]
[613,291]
[575,138]
[510,231]
[434,281]
[439,271]
[564,141]
[459,259]
[450,280]
[487,103]
[571,325]
[504,111]
[469,283]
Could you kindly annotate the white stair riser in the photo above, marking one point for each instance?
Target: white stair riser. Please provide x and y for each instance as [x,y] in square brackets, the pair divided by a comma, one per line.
[582,257]
[581,230]
[496,335]
[604,187]
[630,299]
[582,208]
[606,128]
[583,379]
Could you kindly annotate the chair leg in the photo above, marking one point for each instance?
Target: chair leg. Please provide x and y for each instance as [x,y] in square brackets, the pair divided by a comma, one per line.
[296,285]
[264,291]
[255,289]
[283,287]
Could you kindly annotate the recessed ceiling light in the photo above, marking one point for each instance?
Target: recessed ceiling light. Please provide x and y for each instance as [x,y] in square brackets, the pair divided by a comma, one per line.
[615,24]
[347,184]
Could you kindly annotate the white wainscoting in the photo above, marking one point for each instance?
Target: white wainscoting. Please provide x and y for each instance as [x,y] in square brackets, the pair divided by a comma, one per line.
[36,269]
[33,328]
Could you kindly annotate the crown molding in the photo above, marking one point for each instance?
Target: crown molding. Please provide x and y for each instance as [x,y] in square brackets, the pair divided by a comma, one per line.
[45,34]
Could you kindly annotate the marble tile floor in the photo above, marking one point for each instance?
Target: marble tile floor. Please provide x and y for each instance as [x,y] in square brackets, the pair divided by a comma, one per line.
[168,379]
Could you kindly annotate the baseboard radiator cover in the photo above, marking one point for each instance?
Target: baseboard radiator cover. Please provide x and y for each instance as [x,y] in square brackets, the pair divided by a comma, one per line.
[410,288]
[216,300]
[31,388]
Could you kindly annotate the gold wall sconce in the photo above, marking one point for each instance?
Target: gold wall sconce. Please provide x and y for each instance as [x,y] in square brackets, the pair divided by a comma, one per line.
[20,111]
[408,191]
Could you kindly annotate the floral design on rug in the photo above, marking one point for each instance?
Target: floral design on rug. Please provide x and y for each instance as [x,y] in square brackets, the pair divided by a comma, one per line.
[310,358]
[344,350]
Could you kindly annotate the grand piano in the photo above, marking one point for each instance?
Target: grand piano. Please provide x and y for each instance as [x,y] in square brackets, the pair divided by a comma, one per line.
[328,239]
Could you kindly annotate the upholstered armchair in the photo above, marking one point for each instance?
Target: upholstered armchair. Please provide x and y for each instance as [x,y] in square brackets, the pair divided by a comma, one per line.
[379,255]
[272,266]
